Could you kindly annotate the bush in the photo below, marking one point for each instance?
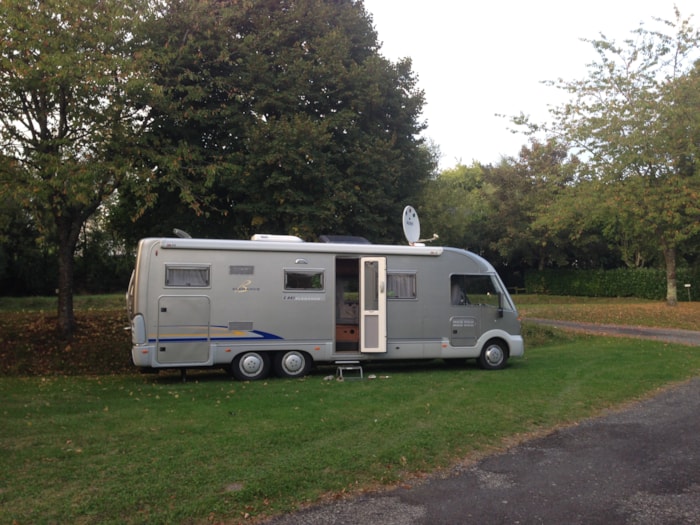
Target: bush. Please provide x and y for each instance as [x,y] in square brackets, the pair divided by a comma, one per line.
[645,283]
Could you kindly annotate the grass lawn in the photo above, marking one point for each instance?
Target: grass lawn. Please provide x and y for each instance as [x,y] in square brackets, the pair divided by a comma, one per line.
[100,447]
[625,311]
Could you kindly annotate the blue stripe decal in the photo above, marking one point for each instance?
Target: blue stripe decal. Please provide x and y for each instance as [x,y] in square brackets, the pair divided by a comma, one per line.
[257,335]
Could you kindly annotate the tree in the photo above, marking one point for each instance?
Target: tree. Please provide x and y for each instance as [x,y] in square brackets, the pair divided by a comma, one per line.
[27,260]
[529,223]
[69,115]
[282,116]
[520,213]
[634,122]
[455,206]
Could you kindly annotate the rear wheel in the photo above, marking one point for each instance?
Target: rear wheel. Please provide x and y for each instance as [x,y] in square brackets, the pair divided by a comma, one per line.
[250,366]
[292,364]
[494,355]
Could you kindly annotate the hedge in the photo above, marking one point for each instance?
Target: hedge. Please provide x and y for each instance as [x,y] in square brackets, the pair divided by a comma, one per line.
[645,283]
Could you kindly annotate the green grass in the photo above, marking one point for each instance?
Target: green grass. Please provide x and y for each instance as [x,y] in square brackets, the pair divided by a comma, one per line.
[84,439]
[625,311]
[144,449]
[50,304]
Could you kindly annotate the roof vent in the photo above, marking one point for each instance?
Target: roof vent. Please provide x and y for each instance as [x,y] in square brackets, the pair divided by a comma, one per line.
[275,238]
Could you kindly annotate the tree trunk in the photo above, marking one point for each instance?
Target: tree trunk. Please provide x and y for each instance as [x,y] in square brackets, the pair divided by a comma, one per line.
[542,256]
[671,285]
[68,229]
[66,316]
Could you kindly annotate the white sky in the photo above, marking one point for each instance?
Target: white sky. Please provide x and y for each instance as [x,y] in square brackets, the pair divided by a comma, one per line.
[475,59]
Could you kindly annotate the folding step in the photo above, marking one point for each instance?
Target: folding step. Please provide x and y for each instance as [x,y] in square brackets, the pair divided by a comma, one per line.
[348,366]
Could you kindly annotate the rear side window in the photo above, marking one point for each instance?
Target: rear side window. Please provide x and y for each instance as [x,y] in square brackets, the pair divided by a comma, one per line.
[188,276]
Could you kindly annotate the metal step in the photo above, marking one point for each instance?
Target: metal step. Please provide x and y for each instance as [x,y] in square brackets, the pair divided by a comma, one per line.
[348,366]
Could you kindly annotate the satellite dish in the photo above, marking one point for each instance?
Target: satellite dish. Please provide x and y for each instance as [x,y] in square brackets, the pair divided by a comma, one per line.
[411,225]
[181,233]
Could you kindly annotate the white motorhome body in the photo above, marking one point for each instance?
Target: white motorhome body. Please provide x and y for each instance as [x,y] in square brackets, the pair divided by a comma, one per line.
[282,304]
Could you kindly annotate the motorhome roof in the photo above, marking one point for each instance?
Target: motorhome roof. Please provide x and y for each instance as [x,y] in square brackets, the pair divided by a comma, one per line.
[286,246]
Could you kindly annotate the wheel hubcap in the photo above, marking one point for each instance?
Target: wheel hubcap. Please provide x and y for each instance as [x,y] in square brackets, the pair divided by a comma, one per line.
[494,355]
[251,364]
[292,363]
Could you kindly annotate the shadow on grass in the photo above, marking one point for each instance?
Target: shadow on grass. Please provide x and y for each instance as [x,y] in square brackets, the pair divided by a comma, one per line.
[327,371]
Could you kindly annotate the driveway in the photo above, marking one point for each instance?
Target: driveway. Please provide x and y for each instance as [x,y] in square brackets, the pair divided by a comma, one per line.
[637,465]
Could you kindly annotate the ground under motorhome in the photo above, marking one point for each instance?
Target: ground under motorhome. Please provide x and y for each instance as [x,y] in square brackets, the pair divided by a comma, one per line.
[278,304]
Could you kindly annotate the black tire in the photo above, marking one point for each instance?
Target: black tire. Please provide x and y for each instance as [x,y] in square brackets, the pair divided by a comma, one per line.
[250,366]
[291,364]
[494,355]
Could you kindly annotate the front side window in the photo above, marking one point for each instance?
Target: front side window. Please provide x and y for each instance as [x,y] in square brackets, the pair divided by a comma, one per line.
[474,290]
[310,280]
[187,276]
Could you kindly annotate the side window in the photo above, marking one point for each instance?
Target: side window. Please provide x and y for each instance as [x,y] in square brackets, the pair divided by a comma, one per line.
[182,275]
[309,280]
[401,286]
[473,289]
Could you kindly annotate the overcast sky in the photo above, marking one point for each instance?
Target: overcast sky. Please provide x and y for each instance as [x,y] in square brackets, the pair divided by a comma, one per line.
[476,59]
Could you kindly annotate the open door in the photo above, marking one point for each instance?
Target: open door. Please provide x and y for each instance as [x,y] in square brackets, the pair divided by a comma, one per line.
[373,304]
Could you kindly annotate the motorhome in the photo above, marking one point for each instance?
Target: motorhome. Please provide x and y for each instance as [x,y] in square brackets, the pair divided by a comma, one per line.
[279,304]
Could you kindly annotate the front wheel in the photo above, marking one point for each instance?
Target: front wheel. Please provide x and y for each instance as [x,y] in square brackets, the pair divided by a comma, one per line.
[292,364]
[494,355]
[250,366]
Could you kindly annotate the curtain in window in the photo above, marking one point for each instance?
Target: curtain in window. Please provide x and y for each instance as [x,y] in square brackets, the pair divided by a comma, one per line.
[402,285]
[198,277]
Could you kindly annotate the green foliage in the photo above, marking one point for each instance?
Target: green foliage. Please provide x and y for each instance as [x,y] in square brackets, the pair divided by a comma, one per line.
[284,118]
[634,119]
[521,213]
[222,118]
[529,225]
[28,263]
[101,264]
[230,118]
[644,283]
[613,181]
[453,206]
[70,116]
